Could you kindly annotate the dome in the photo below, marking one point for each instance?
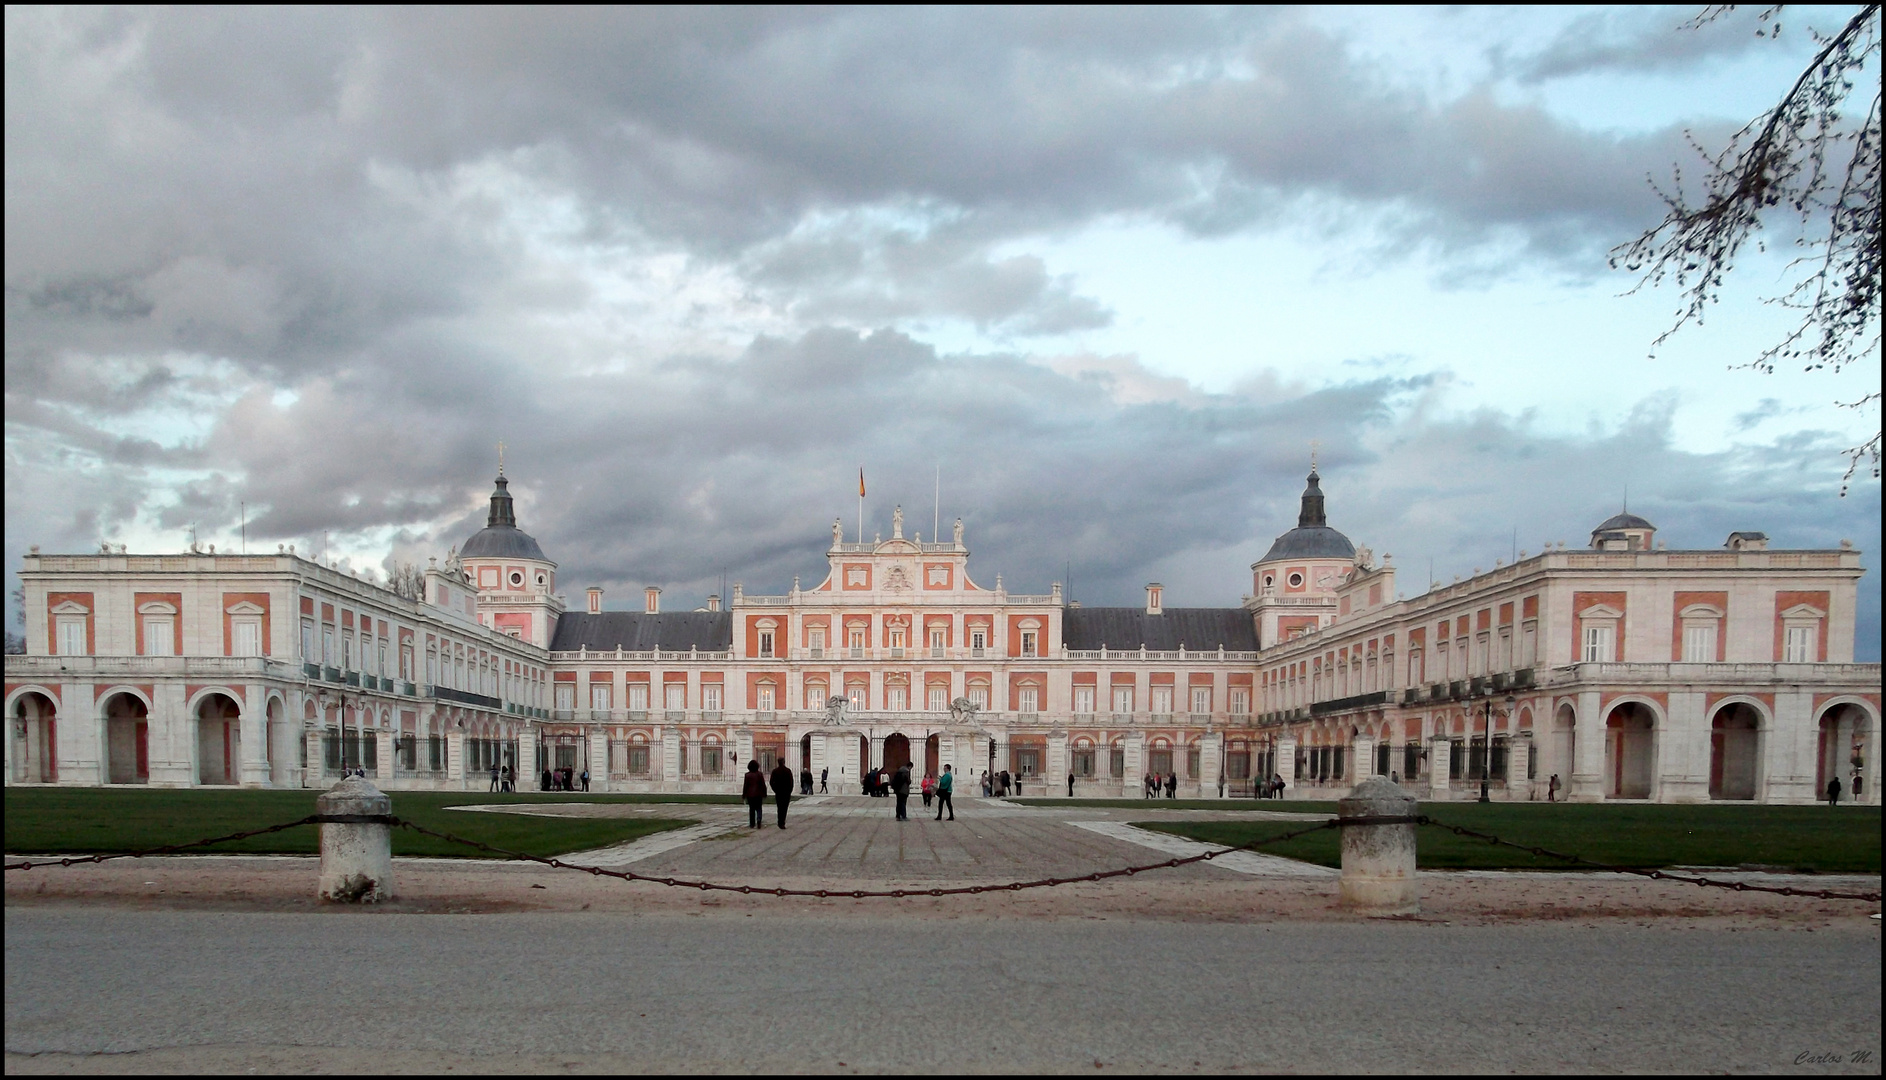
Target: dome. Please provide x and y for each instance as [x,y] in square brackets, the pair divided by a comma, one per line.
[1624,521]
[1312,538]
[501,538]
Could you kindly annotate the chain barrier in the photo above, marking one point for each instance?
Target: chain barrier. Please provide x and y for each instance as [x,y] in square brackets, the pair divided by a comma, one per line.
[75,860]
[872,894]
[1013,886]
[1656,875]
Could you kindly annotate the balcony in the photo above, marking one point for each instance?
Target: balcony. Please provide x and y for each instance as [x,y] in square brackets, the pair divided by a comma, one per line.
[674,716]
[1357,701]
[638,716]
[897,653]
[857,653]
[330,674]
[816,652]
[465,697]
[936,652]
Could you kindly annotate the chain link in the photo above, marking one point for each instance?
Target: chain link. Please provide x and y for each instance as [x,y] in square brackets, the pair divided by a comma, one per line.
[1657,875]
[75,860]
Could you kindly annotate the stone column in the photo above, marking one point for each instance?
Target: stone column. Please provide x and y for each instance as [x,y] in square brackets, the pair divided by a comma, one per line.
[383,754]
[79,740]
[171,735]
[1791,751]
[1378,861]
[455,754]
[1211,756]
[1518,760]
[1440,766]
[1586,784]
[253,769]
[1363,753]
[821,759]
[849,769]
[311,738]
[356,858]
[1682,750]
[1058,764]
[1287,762]
[671,756]
[599,759]
[526,765]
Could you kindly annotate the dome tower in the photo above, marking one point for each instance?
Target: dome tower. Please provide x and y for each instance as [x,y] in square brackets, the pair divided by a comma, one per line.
[516,581]
[1293,587]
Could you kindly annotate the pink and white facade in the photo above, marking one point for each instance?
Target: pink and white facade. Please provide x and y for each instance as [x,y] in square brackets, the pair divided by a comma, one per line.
[1626,670]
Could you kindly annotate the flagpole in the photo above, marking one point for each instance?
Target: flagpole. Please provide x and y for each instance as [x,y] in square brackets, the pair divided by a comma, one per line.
[861,504]
[936,525]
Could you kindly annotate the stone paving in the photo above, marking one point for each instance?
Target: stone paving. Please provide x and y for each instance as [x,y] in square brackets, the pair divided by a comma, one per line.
[850,837]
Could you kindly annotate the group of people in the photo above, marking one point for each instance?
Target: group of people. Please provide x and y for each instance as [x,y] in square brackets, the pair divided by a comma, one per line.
[565,780]
[502,778]
[1155,783]
[1270,789]
[877,782]
[1000,784]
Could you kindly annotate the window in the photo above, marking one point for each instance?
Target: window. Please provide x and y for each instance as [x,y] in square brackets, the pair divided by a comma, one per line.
[638,697]
[897,637]
[638,759]
[710,697]
[978,640]
[327,646]
[815,641]
[1084,761]
[1029,699]
[1116,760]
[1192,762]
[815,696]
[1028,761]
[855,639]
[979,697]
[347,651]
[1598,644]
[1699,643]
[1028,642]
[517,580]
[1238,765]
[1240,702]
[710,760]
[1296,581]
[566,697]
[766,697]
[158,639]
[897,698]
[1083,699]
[1122,699]
[71,632]
[307,641]
[938,635]
[599,697]
[1798,645]
[1201,699]
[766,643]
[939,700]
[1162,700]
[406,662]
[245,637]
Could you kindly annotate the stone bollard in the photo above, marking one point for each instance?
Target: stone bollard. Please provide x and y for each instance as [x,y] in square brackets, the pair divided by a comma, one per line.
[1378,861]
[356,859]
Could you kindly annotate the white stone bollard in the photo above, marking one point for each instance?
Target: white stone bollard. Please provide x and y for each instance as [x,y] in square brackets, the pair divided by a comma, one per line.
[356,859]
[1378,861]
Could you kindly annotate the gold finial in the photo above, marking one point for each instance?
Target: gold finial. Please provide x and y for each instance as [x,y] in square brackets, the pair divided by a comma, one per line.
[500,457]
[1315,444]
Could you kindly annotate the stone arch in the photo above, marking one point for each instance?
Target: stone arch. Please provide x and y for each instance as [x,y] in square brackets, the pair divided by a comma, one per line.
[1630,749]
[1564,746]
[33,715]
[1735,732]
[1848,746]
[896,751]
[127,738]
[217,714]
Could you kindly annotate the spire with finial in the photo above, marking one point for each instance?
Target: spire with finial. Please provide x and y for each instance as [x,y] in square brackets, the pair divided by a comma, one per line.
[502,512]
[1312,515]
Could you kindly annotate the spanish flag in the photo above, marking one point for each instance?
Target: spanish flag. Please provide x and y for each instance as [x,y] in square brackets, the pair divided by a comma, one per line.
[861,481]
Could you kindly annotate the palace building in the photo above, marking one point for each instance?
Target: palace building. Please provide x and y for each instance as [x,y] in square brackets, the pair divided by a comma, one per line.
[1624,670]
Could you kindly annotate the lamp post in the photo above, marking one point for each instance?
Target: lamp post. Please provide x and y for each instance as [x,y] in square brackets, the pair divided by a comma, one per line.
[1486,758]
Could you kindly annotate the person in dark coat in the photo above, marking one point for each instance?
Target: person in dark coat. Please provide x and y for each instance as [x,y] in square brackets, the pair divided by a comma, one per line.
[782,789]
[824,776]
[900,784]
[1070,785]
[805,780]
[546,780]
[1172,785]
[753,790]
[1833,792]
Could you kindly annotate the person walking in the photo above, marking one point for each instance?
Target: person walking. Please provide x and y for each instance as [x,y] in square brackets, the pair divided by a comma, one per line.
[985,783]
[825,775]
[1070,785]
[494,778]
[782,789]
[1833,792]
[1552,789]
[900,785]
[753,790]
[585,779]
[545,781]
[943,785]
[805,780]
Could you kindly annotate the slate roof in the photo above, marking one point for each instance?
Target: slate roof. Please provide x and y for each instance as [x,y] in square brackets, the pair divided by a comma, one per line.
[1623,521]
[1310,542]
[633,630]
[1130,627]
[502,542]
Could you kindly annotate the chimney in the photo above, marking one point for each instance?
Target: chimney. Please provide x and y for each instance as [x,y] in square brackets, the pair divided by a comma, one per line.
[595,600]
[654,600]
[1154,591]
[713,602]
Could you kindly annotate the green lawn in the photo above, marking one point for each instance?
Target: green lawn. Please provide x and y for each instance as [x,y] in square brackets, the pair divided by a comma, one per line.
[1812,839]
[62,820]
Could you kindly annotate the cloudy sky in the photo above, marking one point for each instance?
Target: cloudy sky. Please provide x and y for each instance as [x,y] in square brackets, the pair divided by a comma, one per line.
[1110,271]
